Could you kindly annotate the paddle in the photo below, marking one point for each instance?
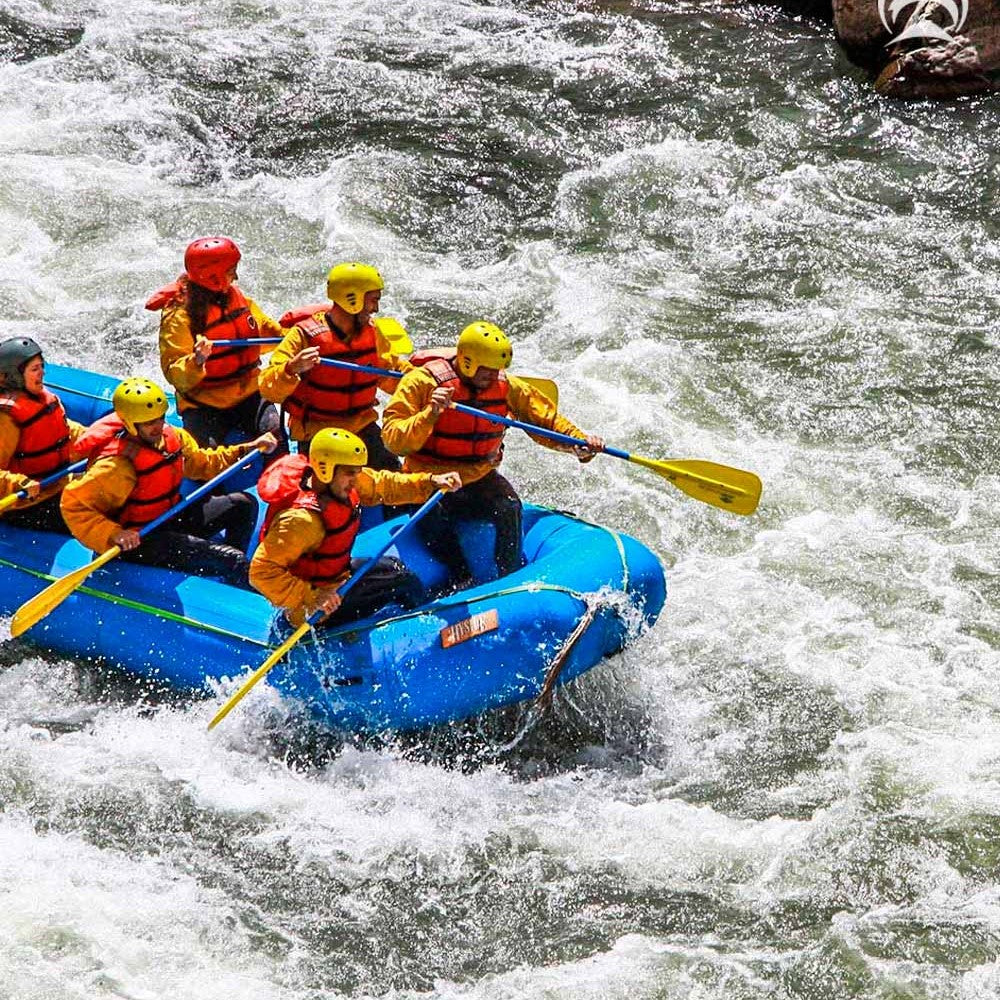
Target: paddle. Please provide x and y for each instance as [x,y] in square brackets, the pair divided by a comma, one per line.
[719,485]
[279,653]
[37,607]
[394,332]
[12,498]
[391,329]
[544,385]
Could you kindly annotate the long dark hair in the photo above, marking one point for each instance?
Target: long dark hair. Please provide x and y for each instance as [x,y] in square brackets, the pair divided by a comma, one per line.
[199,298]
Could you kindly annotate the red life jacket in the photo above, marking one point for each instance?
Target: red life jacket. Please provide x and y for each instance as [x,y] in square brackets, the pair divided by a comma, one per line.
[43,433]
[281,487]
[458,437]
[295,316]
[159,473]
[234,321]
[327,393]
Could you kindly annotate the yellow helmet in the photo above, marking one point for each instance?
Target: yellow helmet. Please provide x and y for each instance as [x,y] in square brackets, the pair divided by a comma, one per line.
[332,447]
[483,345]
[346,284]
[137,400]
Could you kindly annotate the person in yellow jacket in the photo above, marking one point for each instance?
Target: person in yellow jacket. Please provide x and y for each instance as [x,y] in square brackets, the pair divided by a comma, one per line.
[36,437]
[315,395]
[311,523]
[137,464]
[216,385]
[419,423]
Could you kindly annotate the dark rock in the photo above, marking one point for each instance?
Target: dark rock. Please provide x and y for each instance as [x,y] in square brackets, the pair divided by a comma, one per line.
[939,60]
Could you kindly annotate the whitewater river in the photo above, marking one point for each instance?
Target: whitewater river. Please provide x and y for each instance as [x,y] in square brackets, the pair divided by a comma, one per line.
[698,219]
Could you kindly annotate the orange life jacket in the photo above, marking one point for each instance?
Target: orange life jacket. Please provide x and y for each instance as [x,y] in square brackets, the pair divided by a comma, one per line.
[159,471]
[43,434]
[458,437]
[281,487]
[234,321]
[327,393]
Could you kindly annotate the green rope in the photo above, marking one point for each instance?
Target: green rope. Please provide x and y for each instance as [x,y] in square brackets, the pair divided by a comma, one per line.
[344,629]
[148,609]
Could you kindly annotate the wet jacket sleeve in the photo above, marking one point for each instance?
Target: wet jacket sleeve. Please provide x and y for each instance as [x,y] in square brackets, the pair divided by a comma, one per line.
[204,463]
[275,381]
[382,486]
[407,420]
[292,534]
[177,349]
[531,406]
[10,482]
[90,503]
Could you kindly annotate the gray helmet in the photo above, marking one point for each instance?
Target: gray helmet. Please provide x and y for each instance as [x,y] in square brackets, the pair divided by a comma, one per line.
[15,353]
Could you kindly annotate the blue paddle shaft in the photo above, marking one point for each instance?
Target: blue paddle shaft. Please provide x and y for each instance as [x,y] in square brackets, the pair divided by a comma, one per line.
[372,560]
[199,493]
[482,414]
[247,343]
[56,476]
[462,408]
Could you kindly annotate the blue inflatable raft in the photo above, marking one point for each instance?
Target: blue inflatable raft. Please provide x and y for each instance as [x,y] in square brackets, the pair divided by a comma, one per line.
[584,593]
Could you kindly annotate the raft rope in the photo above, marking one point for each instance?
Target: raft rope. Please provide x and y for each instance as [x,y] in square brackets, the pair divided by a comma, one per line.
[543,702]
[149,609]
[544,699]
[454,601]
[457,599]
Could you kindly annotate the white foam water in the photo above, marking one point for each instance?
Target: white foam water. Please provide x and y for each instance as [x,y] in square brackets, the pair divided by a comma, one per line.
[705,227]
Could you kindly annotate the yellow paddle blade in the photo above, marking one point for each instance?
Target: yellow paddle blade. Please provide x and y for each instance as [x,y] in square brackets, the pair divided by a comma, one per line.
[37,607]
[8,501]
[259,673]
[393,331]
[544,385]
[719,485]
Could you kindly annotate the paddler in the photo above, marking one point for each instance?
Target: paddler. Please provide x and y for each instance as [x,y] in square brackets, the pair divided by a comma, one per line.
[217,390]
[36,437]
[419,424]
[316,396]
[137,465]
[311,523]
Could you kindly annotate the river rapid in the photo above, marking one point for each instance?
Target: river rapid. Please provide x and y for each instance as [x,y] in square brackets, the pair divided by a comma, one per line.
[700,221]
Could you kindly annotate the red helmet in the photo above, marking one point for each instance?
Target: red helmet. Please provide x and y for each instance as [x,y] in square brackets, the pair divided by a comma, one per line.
[207,260]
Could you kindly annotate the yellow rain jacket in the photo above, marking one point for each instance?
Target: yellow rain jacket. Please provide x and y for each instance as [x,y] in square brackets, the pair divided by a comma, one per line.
[11,482]
[295,532]
[408,420]
[184,374]
[90,503]
[277,383]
